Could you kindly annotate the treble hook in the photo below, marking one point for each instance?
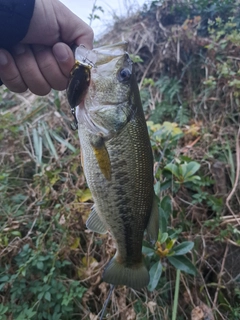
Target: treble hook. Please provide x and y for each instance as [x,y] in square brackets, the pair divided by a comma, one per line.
[74,125]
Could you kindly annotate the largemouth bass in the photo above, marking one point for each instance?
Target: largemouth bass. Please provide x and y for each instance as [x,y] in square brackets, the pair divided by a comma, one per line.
[117,158]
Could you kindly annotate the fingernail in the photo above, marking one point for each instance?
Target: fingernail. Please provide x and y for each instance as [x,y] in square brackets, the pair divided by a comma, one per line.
[3,59]
[19,48]
[61,53]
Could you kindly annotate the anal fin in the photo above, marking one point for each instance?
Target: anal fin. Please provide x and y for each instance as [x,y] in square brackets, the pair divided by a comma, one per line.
[94,223]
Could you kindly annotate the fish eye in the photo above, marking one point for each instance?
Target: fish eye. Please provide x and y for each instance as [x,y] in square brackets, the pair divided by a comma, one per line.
[124,75]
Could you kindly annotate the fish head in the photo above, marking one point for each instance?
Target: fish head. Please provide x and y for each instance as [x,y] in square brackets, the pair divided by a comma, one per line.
[111,74]
[108,103]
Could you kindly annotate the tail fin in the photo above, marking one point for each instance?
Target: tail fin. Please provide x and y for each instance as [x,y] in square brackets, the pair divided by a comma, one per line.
[135,277]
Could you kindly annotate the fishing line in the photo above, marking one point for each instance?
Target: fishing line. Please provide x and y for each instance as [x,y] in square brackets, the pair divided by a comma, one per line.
[112,286]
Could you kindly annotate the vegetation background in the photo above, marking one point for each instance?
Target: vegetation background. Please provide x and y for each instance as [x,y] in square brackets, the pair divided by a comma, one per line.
[187,55]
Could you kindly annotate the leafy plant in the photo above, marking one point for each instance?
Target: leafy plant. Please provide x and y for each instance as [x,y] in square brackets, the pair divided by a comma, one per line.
[166,105]
[93,15]
[40,288]
[184,172]
[166,248]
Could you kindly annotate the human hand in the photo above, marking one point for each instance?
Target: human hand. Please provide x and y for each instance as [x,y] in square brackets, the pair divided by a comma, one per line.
[43,60]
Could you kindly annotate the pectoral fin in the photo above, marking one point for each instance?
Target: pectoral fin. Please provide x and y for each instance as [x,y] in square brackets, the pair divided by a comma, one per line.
[94,223]
[153,223]
[102,156]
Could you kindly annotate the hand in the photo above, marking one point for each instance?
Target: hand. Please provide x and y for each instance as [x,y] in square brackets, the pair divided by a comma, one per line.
[43,60]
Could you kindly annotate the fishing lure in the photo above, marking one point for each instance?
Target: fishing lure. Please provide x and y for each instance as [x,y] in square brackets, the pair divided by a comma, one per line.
[80,78]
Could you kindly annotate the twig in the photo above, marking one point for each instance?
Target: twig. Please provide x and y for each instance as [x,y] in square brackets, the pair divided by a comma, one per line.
[188,291]
[144,75]
[237,176]
[220,277]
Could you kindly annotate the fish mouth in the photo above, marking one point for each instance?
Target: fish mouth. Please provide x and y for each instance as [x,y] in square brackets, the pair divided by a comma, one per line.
[101,55]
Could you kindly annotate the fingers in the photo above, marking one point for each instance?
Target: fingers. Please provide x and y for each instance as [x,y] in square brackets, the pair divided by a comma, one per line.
[9,73]
[29,70]
[38,68]
[21,71]
[55,64]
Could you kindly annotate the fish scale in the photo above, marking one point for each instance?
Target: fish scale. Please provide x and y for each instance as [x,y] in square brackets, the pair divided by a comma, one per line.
[121,208]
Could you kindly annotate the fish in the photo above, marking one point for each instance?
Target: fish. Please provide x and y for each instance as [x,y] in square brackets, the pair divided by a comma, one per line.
[117,159]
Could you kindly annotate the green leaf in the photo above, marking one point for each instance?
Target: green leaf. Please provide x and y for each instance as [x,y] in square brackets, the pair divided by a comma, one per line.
[183,169]
[62,141]
[40,295]
[192,167]
[2,286]
[3,309]
[192,179]
[166,205]
[40,265]
[47,296]
[155,274]
[165,185]
[173,168]
[182,263]
[24,272]
[18,198]
[4,278]
[163,237]
[182,248]
[162,221]
[157,187]
[30,313]
[40,144]
[49,141]
[147,251]
[16,233]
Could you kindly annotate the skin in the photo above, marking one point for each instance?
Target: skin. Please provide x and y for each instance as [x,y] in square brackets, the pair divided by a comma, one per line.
[43,59]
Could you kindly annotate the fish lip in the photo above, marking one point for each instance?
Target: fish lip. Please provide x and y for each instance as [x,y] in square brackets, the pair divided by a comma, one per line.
[89,58]
[114,50]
